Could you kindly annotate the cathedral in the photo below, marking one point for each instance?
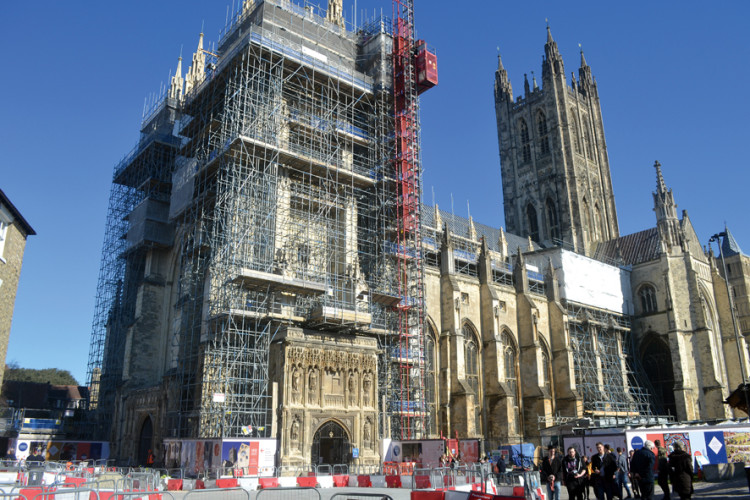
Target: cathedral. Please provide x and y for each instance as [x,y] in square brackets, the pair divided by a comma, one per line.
[257,282]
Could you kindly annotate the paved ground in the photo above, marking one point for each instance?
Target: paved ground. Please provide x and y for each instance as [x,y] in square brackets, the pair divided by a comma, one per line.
[735,489]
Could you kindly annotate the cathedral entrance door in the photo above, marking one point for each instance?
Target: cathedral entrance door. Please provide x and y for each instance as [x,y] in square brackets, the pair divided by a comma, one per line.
[144,441]
[330,445]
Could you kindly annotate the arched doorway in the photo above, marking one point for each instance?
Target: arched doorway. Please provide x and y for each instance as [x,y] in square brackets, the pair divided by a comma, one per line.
[657,363]
[330,445]
[145,439]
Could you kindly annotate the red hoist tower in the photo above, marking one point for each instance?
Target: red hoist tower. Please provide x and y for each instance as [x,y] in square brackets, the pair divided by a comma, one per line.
[414,71]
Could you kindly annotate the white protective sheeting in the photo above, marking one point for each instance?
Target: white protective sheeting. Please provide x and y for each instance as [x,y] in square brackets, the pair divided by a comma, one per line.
[587,281]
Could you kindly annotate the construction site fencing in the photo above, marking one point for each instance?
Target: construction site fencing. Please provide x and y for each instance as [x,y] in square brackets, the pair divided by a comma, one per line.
[445,477]
[358,496]
[218,493]
[288,494]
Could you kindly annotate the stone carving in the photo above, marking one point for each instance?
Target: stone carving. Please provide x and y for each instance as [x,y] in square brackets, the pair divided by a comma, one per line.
[367,434]
[366,388]
[352,388]
[297,385]
[294,434]
[312,387]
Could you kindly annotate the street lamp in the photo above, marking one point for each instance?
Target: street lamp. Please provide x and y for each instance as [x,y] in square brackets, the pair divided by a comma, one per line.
[716,237]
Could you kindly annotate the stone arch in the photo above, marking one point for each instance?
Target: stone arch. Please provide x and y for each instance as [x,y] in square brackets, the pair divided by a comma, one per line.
[145,438]
[472,354]
[656,358]
[331,443]
[552,218]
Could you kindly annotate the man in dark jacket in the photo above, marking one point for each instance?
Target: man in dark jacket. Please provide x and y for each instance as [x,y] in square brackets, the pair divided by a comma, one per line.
[552,472]
[604,472]
[681,471]
[642,468]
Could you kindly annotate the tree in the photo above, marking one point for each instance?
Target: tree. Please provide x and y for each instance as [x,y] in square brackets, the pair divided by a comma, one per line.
[54,376]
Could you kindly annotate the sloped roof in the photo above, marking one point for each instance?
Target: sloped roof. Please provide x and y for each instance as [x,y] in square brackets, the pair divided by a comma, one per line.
[635,248]
[16,214]
[729,245]
[460,226]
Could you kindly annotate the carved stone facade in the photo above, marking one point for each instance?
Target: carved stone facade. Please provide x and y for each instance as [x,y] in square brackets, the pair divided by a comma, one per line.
[325,378]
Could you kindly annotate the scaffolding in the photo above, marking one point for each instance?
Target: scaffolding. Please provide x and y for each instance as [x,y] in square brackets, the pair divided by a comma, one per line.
[288,199]
[611,391]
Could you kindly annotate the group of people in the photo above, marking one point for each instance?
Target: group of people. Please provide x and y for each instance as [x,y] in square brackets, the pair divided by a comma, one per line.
[607,472]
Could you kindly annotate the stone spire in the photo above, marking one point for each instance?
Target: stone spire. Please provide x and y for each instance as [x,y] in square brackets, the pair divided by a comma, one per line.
[175,89]
[335,12]
[526,88]
[584,74]
[552,64]
[533,79]
[472,230]
[502,83]
[502,243]
[438,218]
[666,211]
[197,71]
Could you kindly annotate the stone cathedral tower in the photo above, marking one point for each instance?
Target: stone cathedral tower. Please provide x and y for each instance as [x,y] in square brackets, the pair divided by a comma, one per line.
[557,187]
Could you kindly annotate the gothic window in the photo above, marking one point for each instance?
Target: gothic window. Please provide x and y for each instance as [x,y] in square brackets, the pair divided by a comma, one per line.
[509,360]
[576,132]
[648,299]
[471,349]
[525,141]
[533,222]
[430,378]
[541,123]
[587,220]
[552,221]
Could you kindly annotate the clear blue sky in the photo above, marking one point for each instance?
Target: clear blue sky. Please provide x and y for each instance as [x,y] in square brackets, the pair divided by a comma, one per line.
[672,78]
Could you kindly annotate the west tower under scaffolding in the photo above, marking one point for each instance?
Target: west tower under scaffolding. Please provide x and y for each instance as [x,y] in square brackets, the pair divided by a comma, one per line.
[268,192]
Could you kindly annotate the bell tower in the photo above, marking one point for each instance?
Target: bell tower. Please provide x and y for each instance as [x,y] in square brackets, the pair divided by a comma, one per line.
[556,181]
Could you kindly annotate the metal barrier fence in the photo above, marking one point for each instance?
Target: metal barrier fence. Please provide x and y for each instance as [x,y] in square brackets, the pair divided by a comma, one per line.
[288,493]
[219,493]
[358,496]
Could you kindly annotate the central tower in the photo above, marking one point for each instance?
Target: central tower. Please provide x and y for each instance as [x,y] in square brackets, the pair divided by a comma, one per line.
[557,187]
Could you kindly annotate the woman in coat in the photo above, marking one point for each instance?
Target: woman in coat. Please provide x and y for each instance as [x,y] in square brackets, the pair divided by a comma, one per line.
[681,471]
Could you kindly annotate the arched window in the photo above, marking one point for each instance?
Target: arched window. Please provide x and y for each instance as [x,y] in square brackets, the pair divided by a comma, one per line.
[552,222]
[509,361]
[525,141]
[541,125]
[471,349]
[576,132]
[430,355]
[533,222]
[648,299]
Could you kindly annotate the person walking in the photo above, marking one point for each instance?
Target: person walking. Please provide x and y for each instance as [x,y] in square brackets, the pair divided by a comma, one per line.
[642,468]
[622,474]
[681,471]
[574,473]
[636,490]
[663,472]
[597,472]
[586,477]
[552,470]
[501,468]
